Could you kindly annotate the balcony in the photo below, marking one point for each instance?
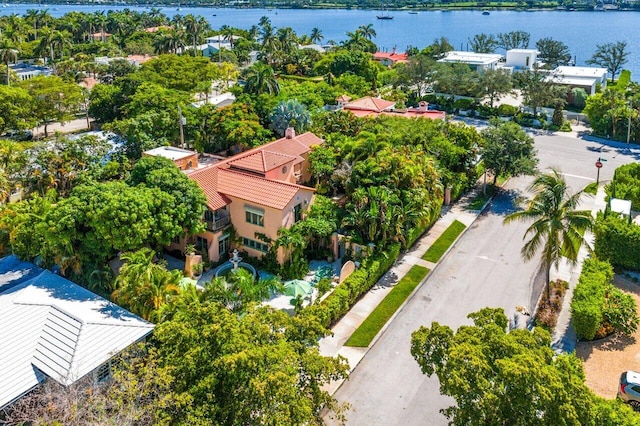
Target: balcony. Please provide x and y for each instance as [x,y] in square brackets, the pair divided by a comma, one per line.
[218,224]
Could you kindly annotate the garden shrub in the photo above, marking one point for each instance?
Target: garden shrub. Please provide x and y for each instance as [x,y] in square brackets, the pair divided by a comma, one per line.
[506,110]
[599,308]
[626,184]
[617,241]
[589,298]
[464,104]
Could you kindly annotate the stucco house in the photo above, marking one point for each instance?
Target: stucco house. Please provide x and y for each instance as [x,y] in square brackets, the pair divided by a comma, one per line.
[257,192]
[53,329]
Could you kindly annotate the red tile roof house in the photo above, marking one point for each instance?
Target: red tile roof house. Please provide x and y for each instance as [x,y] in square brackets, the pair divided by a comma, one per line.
[373,107]
[388,59]
[257,191]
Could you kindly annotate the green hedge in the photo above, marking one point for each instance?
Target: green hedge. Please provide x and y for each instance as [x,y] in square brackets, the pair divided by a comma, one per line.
[359,282]
[617,241]
[626,184]
[589,298]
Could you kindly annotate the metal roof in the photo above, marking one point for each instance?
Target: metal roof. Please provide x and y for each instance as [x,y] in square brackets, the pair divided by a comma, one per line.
[54,328]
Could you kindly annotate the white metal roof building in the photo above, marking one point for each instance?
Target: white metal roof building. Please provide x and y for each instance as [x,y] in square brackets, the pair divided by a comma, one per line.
[53,328]
[586,77]
[477,61]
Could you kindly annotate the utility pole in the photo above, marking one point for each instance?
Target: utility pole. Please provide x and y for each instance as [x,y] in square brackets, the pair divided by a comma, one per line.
[182,121]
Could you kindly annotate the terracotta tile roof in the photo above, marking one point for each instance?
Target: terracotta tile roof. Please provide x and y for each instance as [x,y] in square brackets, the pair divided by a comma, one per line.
[369,104]
[88,83]
[262,161]
[343,98]
[219,182]
[392,56]
[207,179]
[412,113]
[258,190]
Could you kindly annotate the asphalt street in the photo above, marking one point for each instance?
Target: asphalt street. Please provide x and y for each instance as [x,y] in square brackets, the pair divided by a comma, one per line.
[483,269]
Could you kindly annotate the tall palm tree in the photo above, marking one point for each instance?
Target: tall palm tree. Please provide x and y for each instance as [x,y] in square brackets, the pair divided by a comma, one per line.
[367,31]
[558,228]
[194,29]
[316,35]
[61,40]
[259,78]
[8,54]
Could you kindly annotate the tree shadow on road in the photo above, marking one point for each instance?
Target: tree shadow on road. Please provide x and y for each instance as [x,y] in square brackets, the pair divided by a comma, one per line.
[507,201]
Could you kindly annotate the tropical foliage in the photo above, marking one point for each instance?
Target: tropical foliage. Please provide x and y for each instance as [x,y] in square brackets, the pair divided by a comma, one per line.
[497,376]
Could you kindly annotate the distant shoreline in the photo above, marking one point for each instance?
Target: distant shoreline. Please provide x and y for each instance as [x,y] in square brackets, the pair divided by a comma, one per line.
[499,6]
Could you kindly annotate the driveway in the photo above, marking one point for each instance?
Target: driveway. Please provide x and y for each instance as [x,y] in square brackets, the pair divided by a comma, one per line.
[483,269]
[605,359]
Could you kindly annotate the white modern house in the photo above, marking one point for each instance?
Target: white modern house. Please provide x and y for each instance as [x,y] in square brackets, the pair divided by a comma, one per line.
[587,78]
[53,329]
[521,59]
[476,61]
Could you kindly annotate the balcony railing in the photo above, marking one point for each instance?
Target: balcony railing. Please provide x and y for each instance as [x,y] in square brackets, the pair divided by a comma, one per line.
[219,223]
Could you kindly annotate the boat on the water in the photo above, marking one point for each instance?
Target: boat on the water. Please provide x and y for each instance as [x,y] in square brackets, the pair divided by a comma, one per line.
[486,12]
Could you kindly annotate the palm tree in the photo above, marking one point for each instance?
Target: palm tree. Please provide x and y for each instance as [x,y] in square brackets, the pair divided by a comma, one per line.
[46,45]
[558,228]
[8,54]
[60,40]
[316,35]
[366,31]
[144,285]
[193,27]
[259,78]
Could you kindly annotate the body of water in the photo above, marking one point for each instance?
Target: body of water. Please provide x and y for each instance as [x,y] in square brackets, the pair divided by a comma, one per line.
[581,31]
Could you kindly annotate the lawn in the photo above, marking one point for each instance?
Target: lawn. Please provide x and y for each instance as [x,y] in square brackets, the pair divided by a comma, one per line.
[440,246]
[371,326]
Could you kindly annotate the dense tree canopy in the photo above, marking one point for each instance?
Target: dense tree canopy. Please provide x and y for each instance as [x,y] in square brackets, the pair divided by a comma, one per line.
[498,377]
[507,150]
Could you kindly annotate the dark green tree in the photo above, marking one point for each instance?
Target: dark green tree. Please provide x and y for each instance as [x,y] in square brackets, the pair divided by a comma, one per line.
[507,150]
[498,377]
[483,43]
[553,52]
[611,56]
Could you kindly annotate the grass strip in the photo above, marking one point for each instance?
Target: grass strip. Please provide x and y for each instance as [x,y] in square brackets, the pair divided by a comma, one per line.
[371,326]
[437,249]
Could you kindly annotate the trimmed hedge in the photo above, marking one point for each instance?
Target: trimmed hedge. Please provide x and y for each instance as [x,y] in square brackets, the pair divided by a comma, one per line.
[359,282]
[617,241]
[626,184]
[589,298]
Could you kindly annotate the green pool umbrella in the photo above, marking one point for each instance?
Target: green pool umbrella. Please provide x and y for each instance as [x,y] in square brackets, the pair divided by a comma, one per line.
[295,288]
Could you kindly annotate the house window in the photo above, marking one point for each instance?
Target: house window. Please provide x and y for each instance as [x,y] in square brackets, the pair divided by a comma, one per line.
[254,215]
[223,245]
[202,244]
[102,373]
[297,213]
[256,245]
[209,216]
[527,61]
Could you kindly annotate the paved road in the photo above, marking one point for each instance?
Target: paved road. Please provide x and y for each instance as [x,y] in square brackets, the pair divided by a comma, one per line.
[483,269]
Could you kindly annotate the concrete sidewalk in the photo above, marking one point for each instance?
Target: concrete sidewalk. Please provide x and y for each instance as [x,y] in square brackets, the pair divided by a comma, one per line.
[342,330]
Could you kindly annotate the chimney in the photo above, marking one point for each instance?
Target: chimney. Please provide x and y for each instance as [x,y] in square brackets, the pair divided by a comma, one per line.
[423,106]
[290,133]
[394,50]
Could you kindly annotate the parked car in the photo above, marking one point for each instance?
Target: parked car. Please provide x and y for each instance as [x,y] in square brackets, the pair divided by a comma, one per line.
[629,389]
